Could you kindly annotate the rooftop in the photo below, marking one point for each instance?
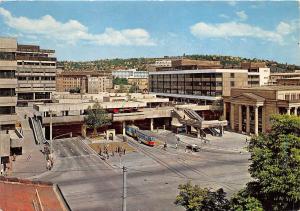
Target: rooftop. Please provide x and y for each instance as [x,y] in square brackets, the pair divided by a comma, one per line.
[279,74]
[274,88]
[17,194]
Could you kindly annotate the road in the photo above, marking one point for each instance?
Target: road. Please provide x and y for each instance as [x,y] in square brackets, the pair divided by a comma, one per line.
[84,178]
[89,183]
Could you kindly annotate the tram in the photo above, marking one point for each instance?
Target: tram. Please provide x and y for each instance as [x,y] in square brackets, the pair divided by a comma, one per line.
[141,135]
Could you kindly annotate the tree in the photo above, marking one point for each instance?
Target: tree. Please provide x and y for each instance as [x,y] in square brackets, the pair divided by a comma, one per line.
[242,201]
[134,88]
[275,165]
[96,117]
[195,198]
[75,90]
[275,170]
[120,81]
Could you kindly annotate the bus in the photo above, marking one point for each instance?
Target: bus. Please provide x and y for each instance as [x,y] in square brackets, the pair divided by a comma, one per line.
[141,135]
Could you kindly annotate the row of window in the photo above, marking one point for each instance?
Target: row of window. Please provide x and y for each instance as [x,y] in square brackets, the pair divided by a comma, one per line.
[7,56]
[36,64]
[4,110]
[7,92]
[36,78]
[213,93]
[7,74]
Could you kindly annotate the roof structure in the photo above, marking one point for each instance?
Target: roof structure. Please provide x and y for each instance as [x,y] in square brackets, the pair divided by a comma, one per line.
[17,194]
[271,87]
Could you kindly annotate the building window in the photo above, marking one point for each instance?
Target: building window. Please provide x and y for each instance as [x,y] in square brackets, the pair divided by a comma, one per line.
[287,97]
[231,75]
[232,83]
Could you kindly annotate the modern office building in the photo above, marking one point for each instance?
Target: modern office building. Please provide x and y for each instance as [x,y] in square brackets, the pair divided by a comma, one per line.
[133,73]
[196,85]
[10,138]
[289,81]
[87,81]
[36,72]
[258,73]
[249,109]
[8,84]
[274,77]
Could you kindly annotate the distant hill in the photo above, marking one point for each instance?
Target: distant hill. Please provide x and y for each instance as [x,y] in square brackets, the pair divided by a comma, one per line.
[141,63]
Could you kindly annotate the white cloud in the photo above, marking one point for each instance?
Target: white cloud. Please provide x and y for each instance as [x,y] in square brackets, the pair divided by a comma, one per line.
[223,16]
[73,31]
[232,3]
[242,30]
[284,28]
[242,15]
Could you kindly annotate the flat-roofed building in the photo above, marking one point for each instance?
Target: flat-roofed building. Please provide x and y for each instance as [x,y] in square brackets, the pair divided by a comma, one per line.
[10,137]
[133,73]
[258,73]
[8,83]
[295,81]
[184,64]
[249,109]
[274,77]
[196,85]
[91,82]
[36,72]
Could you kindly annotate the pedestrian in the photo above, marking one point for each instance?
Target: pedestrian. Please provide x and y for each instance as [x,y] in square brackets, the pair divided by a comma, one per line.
[14,157]
[48,165]
[165,146]
[176,146]
[124,151]
[100,151]
[112,153]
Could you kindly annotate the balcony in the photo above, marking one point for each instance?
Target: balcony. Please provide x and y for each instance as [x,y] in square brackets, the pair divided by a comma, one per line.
[38,58]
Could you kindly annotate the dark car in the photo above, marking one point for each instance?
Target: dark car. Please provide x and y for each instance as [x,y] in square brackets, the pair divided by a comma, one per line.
[193,147]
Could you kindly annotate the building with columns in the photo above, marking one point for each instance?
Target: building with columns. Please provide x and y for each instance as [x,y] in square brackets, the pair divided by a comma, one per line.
[248,110]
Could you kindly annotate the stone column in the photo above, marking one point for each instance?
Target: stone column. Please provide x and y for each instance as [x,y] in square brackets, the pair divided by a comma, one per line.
[240,119]
[248,119]
[124,126]
[288,112]
[256,120]
[151,124]
[224,111]
[295,111]
[232,116]
[263,123]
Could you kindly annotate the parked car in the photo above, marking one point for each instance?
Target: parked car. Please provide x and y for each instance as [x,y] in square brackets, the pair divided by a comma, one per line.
[193,147]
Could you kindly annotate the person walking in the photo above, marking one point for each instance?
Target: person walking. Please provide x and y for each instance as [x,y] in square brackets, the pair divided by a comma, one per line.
[176,146]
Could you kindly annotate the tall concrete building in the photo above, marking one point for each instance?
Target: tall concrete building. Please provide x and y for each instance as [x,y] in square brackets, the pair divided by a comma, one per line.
[196,85]
[36,72]
[10,138]
[8,83]
[258,73]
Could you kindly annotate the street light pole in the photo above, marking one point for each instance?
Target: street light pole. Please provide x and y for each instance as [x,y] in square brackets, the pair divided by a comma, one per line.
[50,131]
[124,188]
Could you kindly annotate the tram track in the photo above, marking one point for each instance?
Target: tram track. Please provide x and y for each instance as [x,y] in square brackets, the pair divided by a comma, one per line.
[182,161]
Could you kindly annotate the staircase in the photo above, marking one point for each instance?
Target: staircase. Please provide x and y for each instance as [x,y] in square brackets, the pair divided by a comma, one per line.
[38,131]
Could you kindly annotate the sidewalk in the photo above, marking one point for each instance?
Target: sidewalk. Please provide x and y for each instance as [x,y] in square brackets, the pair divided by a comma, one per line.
[32,162]
[229,142]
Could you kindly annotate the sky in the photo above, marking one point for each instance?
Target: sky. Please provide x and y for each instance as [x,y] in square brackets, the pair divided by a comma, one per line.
[89,30]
